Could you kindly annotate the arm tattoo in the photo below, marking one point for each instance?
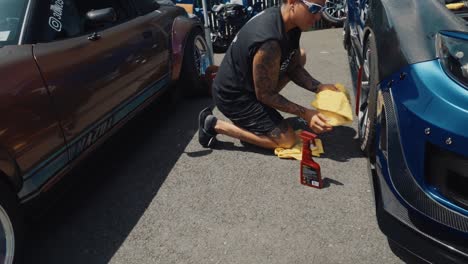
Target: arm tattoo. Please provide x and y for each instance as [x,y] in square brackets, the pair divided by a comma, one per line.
[300,76]
[266,64]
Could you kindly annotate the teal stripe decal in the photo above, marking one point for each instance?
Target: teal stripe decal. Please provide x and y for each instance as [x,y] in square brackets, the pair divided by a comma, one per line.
[43,174]
[55,156]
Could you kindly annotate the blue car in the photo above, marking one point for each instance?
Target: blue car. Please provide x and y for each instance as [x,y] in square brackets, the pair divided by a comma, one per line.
[410,62]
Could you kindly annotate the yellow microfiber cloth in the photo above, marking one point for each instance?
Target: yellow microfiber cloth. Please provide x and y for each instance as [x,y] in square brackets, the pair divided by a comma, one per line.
[296,151]
[455,6]
[334,105]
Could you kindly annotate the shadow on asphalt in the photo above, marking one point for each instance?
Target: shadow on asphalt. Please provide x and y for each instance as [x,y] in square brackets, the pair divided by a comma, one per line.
[230,146]
[110,191]
[403,254]
[327,182]
[224,145]
[341,144]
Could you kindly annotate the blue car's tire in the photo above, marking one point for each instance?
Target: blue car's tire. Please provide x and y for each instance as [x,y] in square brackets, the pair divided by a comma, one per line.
[346,36]
[11,226]
[368,97]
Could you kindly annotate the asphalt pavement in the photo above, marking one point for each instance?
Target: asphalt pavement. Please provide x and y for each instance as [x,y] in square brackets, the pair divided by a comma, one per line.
[152,194]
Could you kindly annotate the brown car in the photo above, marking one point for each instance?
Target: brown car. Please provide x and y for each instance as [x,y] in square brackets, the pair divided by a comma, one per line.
[72,73]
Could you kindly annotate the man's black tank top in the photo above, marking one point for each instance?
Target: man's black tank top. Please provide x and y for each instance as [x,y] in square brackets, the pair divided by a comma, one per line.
[234,80]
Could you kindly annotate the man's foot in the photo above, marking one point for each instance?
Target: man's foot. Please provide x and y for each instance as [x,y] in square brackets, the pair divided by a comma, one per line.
[206,131]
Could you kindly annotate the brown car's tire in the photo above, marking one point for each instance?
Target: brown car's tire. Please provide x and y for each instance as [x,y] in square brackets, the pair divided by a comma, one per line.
[11,226]
[191,81]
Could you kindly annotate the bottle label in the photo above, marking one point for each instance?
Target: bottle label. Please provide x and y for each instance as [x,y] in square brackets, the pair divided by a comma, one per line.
[310,176]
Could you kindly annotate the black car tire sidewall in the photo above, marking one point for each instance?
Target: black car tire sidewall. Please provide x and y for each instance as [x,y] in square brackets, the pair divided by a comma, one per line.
[367,141]
[191,82]
[10,204]
[346,36]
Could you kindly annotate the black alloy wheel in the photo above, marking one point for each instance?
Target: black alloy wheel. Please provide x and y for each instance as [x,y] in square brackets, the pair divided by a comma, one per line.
[335,12]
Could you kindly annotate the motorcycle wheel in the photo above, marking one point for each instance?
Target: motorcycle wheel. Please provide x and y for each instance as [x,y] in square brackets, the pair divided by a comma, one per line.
[335,13]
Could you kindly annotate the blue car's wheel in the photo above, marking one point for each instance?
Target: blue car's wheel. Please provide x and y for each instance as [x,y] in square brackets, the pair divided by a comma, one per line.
[368,96]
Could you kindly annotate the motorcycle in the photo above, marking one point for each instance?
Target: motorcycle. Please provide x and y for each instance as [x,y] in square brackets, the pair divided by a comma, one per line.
[226,19]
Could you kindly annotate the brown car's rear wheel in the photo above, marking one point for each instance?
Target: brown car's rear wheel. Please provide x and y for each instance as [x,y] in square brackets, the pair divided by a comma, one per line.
[196,60]
[11,227]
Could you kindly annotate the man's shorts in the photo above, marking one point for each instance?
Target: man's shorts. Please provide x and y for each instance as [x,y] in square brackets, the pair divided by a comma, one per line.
[250,114]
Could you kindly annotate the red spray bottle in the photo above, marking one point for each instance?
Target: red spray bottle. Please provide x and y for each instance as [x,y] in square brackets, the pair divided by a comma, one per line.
[310,170]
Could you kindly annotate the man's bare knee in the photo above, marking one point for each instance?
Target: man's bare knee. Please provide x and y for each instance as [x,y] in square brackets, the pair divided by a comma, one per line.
[303,58]
[287,142]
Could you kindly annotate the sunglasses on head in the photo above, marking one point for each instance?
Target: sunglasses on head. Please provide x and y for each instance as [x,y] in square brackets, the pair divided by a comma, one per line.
[313,7]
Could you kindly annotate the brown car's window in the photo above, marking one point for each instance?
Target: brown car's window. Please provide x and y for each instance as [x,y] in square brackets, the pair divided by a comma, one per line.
[56,19]
[121,8]
[11,19]
[61,19]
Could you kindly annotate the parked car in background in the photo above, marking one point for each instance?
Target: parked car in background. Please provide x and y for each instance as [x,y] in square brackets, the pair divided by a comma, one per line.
[411,64]
[72,73]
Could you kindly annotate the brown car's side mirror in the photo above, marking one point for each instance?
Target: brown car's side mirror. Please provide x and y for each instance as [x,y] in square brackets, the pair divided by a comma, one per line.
[101,16]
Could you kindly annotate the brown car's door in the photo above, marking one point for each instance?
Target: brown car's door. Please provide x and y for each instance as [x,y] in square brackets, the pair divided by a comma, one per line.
[30,133]
[97,82]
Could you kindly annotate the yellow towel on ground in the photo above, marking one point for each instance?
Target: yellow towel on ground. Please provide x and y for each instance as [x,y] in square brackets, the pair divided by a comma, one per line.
[455,6]
[296,151]
[334,105]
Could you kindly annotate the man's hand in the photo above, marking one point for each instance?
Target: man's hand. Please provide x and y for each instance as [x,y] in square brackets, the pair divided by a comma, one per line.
[317,121]
[323,87]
